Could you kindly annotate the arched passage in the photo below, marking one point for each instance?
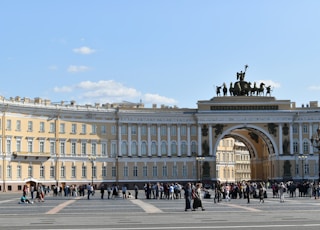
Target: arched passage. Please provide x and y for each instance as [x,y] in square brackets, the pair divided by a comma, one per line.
[261,146]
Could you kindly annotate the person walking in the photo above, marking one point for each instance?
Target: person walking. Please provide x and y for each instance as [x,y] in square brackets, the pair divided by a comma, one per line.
[261,192]
[197,202]
[187,196]
[136,191]
[248,192]
[89,190]
[282,190]
[102,191]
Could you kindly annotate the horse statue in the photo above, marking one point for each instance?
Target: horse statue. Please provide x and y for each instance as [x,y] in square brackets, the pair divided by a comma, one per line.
[260,90]
[253,89]
[225,89]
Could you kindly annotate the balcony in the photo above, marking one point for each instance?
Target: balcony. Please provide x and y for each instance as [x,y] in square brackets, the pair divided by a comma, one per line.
[35,155]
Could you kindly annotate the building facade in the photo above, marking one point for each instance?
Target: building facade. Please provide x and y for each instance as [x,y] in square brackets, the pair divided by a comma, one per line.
[66,144]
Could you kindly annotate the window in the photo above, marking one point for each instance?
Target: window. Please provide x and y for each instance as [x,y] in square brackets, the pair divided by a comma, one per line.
[125,171]
[74,128]
[52,174]
[134,148]
[193,147]
[174,171]
[164,171]
[19,171]
[143,130]
[295,129]
[103,129]
[163,149]
[104,149]
[73,148]
[184,149]
[62,148]
[153,130]
[295,146]
[124,130]
[113,130]
[18,145]
[155,171]
[8,127]
[113,171]
[83,129]
[163,130]
[52,127]
[83,149]
[62,171]
[30,126]
[306,147]
[193,130]
[94,171]
[84,171]
[143,148]
[124,148]
[42,130]
[94,149]
[133,130]
[135,171]
[184,171]
[173,131]
[9,171]
[93,129]
[145,171]
[173,148]
[30,171]
[153,149]
[113,149]
[104,171]
[305,128]
[183,130]
[73,171]
[18,125]
[8,146]
[41,146]
[62,128]
[42,171]
[30,146]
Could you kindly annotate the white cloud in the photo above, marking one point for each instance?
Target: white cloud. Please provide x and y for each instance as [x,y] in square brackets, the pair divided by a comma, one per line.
[110,92]
[314,87]
[75,69]
[84,50]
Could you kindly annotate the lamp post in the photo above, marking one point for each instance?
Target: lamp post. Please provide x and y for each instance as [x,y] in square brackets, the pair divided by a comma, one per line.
[92,159]
[200,159]
[302,157]
[315,142]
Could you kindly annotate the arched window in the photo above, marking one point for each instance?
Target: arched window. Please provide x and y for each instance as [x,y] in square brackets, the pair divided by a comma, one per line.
[163,149]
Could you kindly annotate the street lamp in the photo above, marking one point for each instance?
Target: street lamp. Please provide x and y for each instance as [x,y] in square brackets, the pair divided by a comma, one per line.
[200,159]
[302,157]
[92,159]
[315,142]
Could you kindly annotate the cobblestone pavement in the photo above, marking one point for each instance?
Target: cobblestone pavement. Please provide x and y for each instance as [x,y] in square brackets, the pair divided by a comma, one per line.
[81,213]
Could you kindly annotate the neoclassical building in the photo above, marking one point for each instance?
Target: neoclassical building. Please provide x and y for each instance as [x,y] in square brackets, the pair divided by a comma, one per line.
[126,143]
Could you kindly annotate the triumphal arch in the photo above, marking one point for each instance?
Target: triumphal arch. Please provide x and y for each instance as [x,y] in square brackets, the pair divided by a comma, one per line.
[276,132]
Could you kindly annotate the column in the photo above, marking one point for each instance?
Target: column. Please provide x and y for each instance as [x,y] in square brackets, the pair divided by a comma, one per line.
[139,140]
[149,140]
[169,140]
[188,141]
[300,139]
[119,141]
[159,139]
[129,140]
[280,140]
[291,138]
[210,141]
[179,141]
[199,140]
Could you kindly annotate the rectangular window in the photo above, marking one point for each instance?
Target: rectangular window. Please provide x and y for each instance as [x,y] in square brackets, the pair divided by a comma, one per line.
[30,147]
[174,171]
[84,171]
[8,146]
[143,130]
[164,171]
[93,129]
[52,147]
[184,171]
[52,174]
[145,171]
[104,171]
[8,127]
[113,130]
[163,130]
[41,128]
[62,148]
[30,171]
[183,130]
[103,129]
[42,171]
[125,171]
[19,171]
[83,129]
[41,146]
[113,171]
[94,149]
[153,130]
[135,171]
[155,171]
[30,126]
[113,149]
[73,171]
[173,131]
[104,149]
[193,130]
[62,128]
[74,128]
[83,149]
[9,171]
[18,125]
[124,130]
[73,148]
[133,130]
[52,127]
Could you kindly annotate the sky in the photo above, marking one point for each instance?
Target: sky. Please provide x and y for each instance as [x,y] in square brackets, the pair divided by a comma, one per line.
[164,52]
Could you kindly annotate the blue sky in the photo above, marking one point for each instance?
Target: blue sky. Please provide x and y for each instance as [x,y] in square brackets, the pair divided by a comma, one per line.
[171,52]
